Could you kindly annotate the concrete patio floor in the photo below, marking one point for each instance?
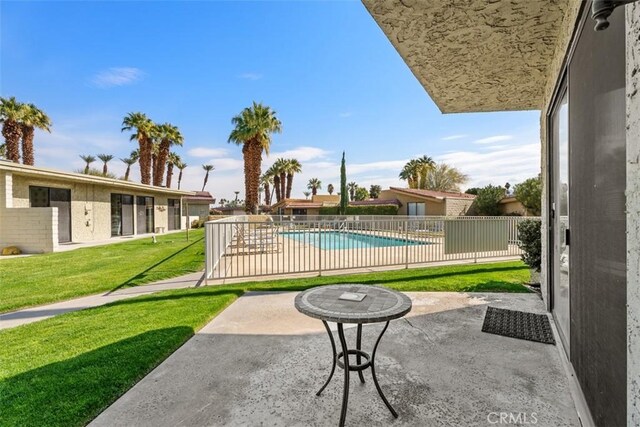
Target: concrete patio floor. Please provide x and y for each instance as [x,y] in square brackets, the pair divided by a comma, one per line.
[260,362]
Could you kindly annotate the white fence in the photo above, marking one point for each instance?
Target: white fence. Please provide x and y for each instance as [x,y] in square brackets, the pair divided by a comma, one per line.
[246,246]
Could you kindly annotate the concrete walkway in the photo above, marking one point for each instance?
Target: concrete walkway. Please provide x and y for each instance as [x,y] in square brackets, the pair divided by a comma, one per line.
[35,314]
[260,362]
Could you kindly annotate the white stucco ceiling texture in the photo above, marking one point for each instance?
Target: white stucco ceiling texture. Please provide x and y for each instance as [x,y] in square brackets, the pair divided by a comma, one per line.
[475,55]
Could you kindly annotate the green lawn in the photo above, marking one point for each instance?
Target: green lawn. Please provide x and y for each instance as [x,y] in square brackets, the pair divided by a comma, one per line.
[60,276]
[64,371]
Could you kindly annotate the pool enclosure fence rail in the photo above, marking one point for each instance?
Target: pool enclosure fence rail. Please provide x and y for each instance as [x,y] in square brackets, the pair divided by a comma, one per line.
[248,246]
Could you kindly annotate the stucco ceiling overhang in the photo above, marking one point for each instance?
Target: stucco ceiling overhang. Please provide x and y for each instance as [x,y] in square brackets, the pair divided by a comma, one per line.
[475,55]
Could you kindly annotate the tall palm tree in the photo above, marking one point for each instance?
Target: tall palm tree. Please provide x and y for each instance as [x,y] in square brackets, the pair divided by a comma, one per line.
[293,167]
[129,161]
[274,172]
[265,181]
[207,168]
[306,194]
[143,127]
[106,158]
[172,160]
[180,165]
[168,135]
[253,129]
[281,166]
[425,164]
[88,159]
[33,118]
[314,185]
[330,189]
[352,187]
[11,114]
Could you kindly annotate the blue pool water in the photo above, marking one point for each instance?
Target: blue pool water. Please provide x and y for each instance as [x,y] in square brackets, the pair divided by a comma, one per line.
[346,240]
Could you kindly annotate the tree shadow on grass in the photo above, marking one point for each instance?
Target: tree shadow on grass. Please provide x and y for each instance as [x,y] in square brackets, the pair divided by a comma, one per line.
[131,281]
[184,294]
[74,391]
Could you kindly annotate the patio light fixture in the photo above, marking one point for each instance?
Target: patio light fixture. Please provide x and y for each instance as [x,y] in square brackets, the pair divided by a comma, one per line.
[601,9]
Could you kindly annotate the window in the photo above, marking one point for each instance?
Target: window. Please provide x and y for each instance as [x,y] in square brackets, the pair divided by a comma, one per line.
[173,214]
[416,209]
[121,215]
[144,215]
[46,197]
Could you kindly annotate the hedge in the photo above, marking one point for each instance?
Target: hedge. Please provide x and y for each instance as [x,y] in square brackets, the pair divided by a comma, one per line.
[362,210]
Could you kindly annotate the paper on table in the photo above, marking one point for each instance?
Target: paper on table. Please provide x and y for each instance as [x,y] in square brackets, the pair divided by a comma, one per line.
[352,296]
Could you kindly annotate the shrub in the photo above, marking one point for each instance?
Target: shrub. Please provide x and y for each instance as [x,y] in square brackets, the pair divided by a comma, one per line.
[529,193]
[197,223]
[529,236]
[486,202]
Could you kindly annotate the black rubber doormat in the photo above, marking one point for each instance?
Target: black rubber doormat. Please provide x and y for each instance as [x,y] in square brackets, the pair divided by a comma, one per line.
[518,324]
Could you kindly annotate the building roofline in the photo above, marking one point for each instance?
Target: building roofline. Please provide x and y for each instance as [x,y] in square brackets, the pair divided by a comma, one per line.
[33,171]
[409,191]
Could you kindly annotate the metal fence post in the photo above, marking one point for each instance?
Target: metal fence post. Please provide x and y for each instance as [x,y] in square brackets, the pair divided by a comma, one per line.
[319,250]
[475,241]
[406,244]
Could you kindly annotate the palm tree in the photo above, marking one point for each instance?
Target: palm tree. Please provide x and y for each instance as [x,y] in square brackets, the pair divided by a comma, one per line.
[314,185]
[33,118]
[330,189]
[274,173]
[180,165]
[143,133]
[172,160]
[445,178]
[265,181]
[253,129]
[293,167]
[128,161]
[411,173]
[425,164]
[168,135]
[3,150]
[280,168]
[11,113]
[352,187]
[88,159]
[207,168]
[106,158]
[306,194]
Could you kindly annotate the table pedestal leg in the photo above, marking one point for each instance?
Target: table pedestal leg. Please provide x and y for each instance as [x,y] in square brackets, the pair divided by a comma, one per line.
[335,356]
[373,372]
[358,344]
[345,393]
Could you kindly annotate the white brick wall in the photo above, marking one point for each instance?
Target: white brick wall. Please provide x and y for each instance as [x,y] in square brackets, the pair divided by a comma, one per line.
[33,230]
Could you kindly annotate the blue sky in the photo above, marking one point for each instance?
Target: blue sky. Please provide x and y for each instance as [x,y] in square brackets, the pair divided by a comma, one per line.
[325,67]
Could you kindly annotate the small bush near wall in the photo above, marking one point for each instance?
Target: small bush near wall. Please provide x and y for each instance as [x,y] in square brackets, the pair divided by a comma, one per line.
[197,223]
[529,235]
[362,210]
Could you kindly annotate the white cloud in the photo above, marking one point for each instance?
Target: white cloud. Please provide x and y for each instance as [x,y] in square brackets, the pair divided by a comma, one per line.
[513,164]
[492,139]
[358,168]
[452,137]
[346,114]
[117,76]
[303,154]
[207,152]
[250,76]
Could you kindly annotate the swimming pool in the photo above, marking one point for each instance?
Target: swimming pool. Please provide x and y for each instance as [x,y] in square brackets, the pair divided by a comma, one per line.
[346,240]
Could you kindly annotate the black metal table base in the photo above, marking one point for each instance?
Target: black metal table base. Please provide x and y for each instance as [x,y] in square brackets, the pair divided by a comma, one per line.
[359,366]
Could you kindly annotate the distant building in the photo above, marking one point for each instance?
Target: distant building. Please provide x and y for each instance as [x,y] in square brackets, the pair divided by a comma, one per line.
[42,208]
[511,206]
[417,202]
[198,205]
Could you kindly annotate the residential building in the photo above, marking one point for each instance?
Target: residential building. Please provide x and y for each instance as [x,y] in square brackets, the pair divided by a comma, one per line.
[196,207]
[42,208]
[305,206]
[414,201]
[511,206]
[480,55]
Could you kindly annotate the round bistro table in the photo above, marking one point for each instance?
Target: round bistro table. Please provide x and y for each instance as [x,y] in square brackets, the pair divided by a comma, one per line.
[330,304]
